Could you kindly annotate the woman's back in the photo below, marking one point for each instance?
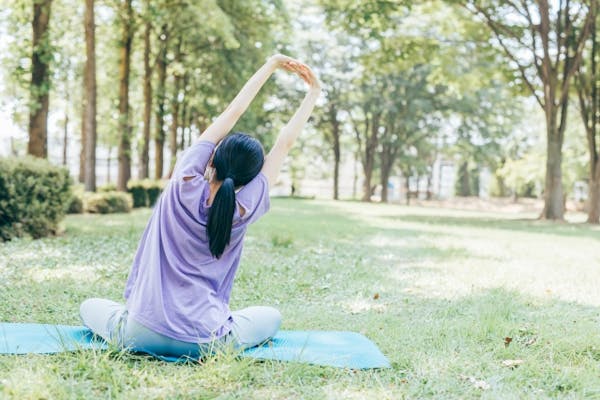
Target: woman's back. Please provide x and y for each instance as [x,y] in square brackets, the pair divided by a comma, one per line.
[176,286]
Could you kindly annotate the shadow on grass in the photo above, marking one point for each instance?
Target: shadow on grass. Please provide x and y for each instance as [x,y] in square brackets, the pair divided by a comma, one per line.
[434,343]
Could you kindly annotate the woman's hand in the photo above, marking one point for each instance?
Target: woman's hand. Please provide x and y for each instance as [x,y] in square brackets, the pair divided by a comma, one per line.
[280,59]
[302,70]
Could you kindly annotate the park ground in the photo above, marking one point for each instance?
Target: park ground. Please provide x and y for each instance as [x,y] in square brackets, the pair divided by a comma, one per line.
[465,304]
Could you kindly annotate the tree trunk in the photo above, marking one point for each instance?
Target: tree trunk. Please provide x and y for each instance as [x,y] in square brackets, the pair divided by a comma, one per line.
[368,172]
[588,86]
[369,156]
[335,133]
[89,99]
[124,128]
[66,129]
[386,170]
[159,139]
[554,201]
[192,118]
[388,155]
[355,176]
[175,111]
[429,184]
[184,124]
[144,159]
[336,167]
[81,177]
[407,188]
[40,82]
[385,177]
[594,196]
[465,180]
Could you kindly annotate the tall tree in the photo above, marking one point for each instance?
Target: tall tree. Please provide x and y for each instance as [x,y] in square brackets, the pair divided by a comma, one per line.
[544,41]
[161,69]
[368,24]
[144,159]
[367,124]
[588,91]
[334,66]
[40,82]
[175,102]
[336,132]
[412,113]
[127,25]
[89,99]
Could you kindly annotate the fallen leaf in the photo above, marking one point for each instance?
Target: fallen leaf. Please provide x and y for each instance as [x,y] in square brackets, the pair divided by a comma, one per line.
[376,296]
[507,341]
[512,363]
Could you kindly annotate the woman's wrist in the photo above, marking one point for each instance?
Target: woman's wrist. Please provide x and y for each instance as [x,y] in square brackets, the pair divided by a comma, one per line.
[277,60]
[272,63]
[315,89]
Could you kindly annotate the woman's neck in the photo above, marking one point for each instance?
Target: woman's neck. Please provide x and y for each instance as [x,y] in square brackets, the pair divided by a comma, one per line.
[214,186]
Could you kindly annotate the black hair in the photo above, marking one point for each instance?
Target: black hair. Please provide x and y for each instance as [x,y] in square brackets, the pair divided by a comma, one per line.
[237,160]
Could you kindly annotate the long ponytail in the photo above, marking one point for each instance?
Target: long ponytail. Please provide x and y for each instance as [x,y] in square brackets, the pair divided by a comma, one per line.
[220,218]
[237,160]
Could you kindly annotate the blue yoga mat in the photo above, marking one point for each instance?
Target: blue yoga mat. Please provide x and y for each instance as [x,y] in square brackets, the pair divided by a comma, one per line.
[331,348]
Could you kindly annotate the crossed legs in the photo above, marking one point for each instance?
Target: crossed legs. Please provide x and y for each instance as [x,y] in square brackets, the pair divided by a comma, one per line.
[109,320]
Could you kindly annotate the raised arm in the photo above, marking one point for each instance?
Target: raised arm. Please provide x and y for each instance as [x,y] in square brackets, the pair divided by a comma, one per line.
[289,133]
[221,126]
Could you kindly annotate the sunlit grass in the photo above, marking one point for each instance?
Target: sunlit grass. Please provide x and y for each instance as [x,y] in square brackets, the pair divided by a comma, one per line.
[437,290]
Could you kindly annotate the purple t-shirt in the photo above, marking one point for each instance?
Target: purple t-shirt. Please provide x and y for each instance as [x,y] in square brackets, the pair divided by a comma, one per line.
[176,287]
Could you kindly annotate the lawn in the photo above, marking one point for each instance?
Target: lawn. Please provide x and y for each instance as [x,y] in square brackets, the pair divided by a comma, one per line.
[448,296]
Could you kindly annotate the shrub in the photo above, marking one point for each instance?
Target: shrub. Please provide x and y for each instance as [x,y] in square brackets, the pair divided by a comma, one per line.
[109,187]
[145,192]
[108,202]
[33,194]
[153,188]
[75,204]
[138,192]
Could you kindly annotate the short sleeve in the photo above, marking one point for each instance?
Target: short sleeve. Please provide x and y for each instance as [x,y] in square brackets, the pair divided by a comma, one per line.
[193,160]
[254,198]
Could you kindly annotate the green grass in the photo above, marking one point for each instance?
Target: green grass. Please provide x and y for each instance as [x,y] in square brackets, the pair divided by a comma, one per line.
[437,290]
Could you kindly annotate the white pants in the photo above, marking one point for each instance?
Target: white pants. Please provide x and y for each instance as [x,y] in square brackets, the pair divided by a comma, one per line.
[110,320]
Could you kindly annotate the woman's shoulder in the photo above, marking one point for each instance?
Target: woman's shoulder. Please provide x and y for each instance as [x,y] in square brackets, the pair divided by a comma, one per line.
[253,198]
[193,192]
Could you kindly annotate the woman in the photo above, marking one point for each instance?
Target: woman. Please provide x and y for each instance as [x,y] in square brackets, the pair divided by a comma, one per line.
[179,285]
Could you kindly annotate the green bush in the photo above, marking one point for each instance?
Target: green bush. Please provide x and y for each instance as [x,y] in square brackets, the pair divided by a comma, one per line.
[145,192]
[108,202]
[75,204]
[33,194]
[109,187]
[153,189]
[138,192]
